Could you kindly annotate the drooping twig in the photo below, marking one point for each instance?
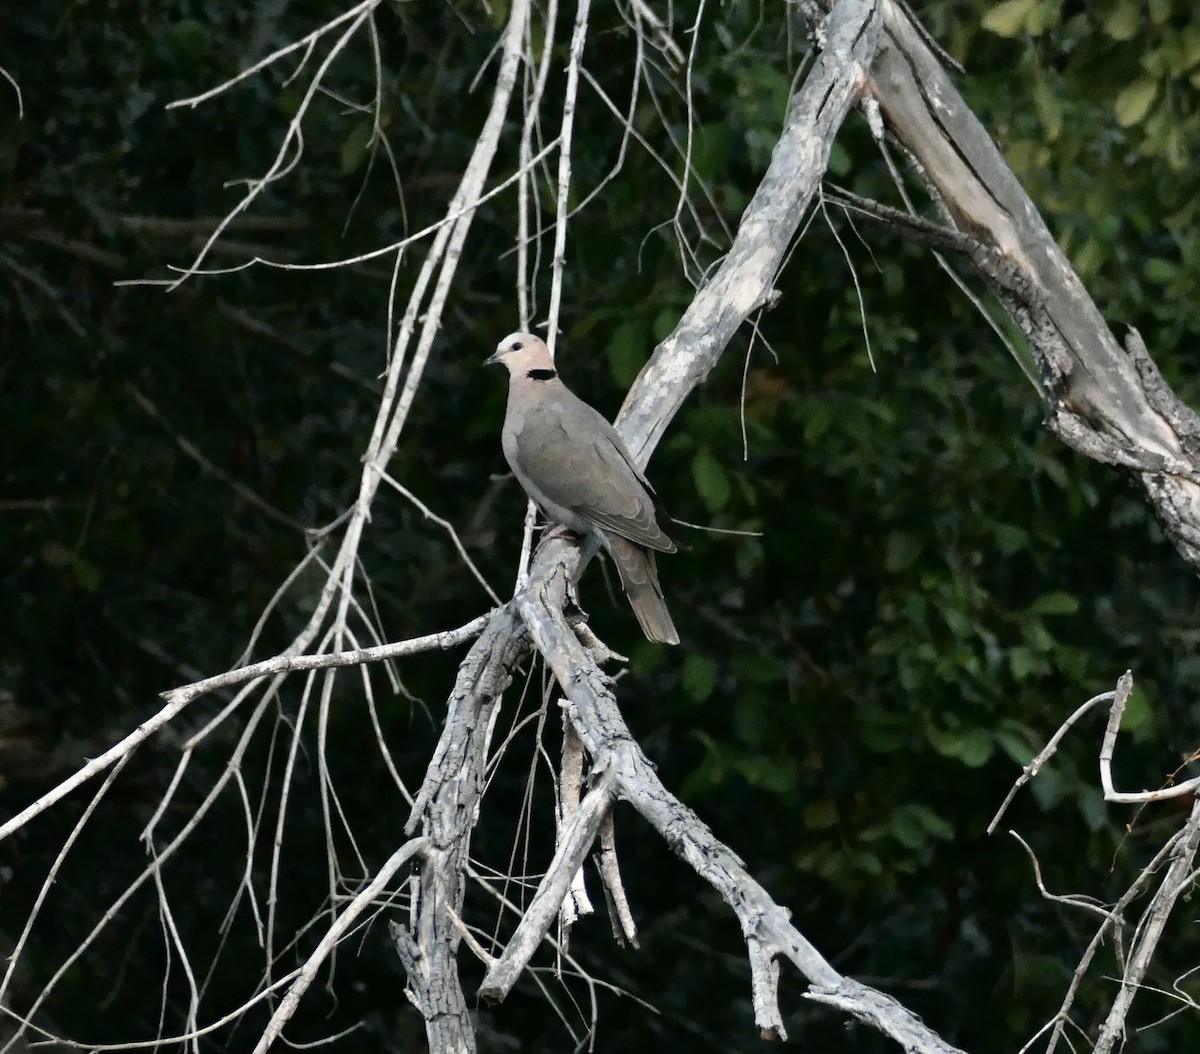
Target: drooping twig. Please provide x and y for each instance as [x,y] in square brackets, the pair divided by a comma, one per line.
[1119,699]
[349,914]
[621,917]
[563,204]
[1047,752]
[570,787]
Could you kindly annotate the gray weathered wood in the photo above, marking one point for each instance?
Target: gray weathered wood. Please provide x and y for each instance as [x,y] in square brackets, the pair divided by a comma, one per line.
[445,810]
[1108,402]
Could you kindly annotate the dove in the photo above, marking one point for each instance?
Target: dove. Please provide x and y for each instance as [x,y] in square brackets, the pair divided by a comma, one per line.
[576,468]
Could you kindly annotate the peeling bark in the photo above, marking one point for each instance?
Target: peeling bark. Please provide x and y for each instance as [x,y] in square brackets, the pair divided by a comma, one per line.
[1107,402]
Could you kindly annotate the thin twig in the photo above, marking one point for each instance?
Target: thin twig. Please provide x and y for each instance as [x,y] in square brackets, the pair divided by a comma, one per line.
[562,205]
[1149,932]
[1048,751]
[287,1006]
[287,663]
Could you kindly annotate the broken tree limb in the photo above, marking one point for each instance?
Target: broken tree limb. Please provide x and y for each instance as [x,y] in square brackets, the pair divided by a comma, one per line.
[627,773]
[745,279]
[1109,402]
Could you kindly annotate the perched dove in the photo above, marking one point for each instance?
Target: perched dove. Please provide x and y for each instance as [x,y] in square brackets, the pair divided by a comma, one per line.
[573,464]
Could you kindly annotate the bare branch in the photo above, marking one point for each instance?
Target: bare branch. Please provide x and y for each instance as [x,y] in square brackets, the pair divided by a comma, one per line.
[359,10]
[1119,698]
[1106,404]
[1035,766]
[363,900]
[355,657]
[1149,931]
[16,88]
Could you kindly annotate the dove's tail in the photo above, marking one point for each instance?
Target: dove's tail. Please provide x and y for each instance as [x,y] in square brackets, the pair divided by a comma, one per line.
[639,579]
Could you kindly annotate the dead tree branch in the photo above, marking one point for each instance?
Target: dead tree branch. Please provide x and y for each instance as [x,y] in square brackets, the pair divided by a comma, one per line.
[446,809]
[1180,849]
[623,770]
[1150,929]
[1109,402]
[742,284]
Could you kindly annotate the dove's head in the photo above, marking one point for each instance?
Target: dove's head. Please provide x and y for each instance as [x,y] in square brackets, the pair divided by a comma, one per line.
[523,353]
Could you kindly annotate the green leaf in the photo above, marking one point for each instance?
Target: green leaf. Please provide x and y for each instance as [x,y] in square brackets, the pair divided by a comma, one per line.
[839,160]
[754,724]
[1159,271]
[900,551]
[664,323]
[820,816]
[698,676]
[883,738]
[354,149]
[1008,19]
[1049,788]
[626,352]
[819,416]
[711,482]
[1093,807]
[1134,101]
[188,36]
[1054,604]
[1014,741]
[906,829]
[710,150]
[913,826]
[972,746]
[1036,635]
[777,775]
[1122,23]
[758,669]
[1137,710]
[1044,15]
[1010,539]
[933,823]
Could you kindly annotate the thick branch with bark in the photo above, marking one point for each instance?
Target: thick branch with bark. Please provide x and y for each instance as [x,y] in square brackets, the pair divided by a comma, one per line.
[1109,403]
[742,284]
[446,810]
[620,768]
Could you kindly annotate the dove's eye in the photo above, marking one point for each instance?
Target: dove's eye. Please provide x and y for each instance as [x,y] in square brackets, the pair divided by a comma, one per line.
[516,346]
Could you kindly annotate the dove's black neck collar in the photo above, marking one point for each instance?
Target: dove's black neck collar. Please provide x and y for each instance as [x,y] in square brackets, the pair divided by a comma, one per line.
[541,375]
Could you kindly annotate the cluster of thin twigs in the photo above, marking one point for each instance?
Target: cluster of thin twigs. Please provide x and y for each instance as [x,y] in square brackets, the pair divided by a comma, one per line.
[341,630]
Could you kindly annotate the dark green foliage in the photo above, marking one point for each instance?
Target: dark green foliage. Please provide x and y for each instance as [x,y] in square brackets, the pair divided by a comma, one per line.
[937,585]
